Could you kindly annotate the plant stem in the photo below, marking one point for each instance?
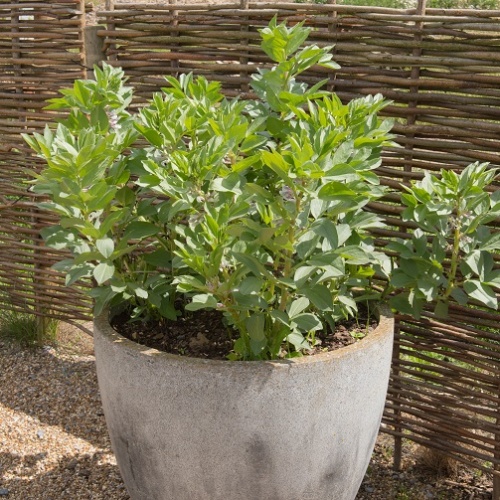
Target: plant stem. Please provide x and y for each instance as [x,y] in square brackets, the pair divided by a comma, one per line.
[288,254]
[455,253]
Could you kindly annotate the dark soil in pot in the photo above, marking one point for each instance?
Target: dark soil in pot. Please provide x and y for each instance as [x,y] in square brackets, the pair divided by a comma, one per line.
[203,334]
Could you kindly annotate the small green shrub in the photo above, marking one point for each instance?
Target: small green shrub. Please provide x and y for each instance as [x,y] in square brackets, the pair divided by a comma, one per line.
[24,329]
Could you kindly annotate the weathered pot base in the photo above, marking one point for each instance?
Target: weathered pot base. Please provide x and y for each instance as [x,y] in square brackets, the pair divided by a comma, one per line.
[194,429]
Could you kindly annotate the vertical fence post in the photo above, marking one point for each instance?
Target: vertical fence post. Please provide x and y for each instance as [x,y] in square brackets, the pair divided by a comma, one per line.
[16,48]
[414,77]
[37,281]
[93,45]
[413,103]
[244,43]
[17,71]
[110,25]
[332,30]
[94,48]
[175,21]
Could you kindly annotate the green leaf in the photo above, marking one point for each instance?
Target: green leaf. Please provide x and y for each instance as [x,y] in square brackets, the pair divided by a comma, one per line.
[298,341]
[255,326]
[252,143]
[187,283]
[277,163]
[251,285]
[307,322]
[158,258]
[202,301]
[441,309]
[113,218]
[249,302]
[493,278]
[334,190]
[57,237]
[77,273]
[231,183]
[355,255]
[320,296]
[103,272]
[64,265]
[102,296]
[475,261]
[306,244]
[125,196]
[140,292]
[280,317]
[253,265]
[105,246]
[403,248]
[400,279]
[492,244]
[335,234]
[297,306]
[279,42]
[402,304]
[150,134]
[302,274]
[460,296]
[140,230]
[482,293]
[167,309]
[318,207]
[427,287]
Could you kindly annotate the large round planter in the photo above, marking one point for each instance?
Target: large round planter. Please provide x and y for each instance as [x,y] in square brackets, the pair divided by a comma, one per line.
[192,429]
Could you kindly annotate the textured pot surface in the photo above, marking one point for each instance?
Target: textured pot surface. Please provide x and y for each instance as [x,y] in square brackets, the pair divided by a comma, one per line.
[192,429]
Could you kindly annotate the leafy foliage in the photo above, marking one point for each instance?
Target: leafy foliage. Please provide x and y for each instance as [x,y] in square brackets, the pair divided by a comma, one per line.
[450,254]
[255,208]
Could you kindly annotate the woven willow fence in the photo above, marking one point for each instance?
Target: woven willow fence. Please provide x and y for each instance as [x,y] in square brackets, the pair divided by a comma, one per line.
[441,68]
[40,51]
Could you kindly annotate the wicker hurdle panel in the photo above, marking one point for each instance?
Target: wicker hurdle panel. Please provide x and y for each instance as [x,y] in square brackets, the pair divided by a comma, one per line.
[41,51]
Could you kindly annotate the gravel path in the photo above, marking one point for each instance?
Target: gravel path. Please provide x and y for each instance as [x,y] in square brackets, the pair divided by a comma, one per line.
[53,441]
[54,445]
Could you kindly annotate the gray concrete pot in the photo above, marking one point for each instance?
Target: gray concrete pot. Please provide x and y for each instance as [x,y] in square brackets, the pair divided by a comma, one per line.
[192,429]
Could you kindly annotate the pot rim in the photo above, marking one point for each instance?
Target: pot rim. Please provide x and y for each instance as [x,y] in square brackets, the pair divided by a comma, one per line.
[385,327]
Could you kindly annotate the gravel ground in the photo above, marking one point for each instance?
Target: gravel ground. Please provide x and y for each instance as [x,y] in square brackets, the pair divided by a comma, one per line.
[54,445]
[53,441]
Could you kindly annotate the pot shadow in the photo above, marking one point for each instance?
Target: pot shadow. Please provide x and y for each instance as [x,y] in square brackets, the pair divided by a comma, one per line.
[80,476]
[54,390]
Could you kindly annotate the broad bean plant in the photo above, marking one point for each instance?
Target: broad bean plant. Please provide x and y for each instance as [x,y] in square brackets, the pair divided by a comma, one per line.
[256,208]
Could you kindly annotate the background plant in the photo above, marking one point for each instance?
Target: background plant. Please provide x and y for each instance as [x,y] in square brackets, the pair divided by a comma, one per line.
[24,329]
[450,254]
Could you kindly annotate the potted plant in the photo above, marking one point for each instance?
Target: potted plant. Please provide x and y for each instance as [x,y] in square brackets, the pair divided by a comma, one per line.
[249,217]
